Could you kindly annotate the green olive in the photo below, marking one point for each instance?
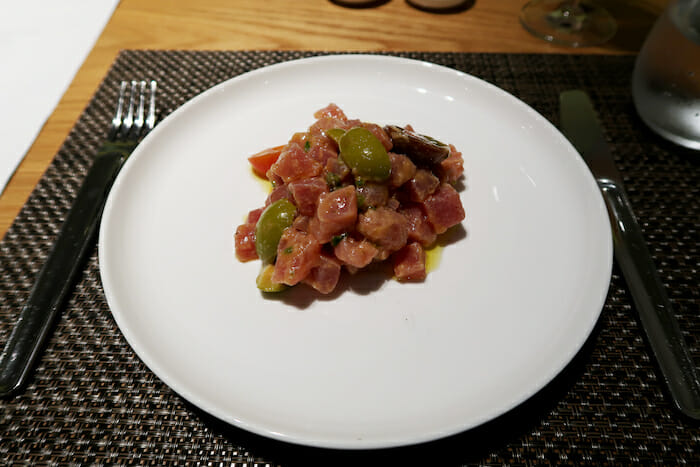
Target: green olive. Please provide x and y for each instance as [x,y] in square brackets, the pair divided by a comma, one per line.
[335,134]
[365,154]
[264,280]
[268,231]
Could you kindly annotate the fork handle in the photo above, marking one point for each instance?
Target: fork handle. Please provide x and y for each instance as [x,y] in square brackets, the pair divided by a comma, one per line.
[55,279]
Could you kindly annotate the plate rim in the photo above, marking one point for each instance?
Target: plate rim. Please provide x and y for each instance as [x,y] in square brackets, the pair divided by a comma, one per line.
[542,382]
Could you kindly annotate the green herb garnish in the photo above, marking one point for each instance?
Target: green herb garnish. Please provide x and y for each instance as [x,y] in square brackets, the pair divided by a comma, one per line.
[332,180]
[338,238]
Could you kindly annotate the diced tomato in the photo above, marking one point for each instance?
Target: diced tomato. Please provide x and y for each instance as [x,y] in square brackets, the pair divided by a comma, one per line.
[263,160]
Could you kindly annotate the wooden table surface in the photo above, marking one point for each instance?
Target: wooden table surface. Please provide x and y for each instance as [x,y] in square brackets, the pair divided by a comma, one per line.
[483,26]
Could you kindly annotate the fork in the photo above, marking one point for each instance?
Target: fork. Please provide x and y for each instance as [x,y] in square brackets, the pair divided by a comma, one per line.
[131,121]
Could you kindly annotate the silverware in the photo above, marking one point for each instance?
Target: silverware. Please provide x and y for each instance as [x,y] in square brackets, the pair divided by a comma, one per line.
[55,279]
[580,124]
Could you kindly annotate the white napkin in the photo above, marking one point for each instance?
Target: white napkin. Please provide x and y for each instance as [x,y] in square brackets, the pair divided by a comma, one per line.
[43,43]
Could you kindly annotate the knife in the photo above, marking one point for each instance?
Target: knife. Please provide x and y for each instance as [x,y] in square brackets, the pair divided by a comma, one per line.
[579,123]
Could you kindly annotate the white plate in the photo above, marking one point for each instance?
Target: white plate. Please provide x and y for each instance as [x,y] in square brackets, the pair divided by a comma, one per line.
[380,363]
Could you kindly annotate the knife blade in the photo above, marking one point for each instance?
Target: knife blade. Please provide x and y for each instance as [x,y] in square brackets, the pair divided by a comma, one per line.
[579,123]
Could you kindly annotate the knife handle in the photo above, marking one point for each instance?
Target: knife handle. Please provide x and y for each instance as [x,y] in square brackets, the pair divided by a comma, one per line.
[56,277]
[658,320]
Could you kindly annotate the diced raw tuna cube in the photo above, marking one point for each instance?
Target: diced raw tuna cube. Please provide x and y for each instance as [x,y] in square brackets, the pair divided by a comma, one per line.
[419,229]
[297,254]
[306,193]
[279,192]
[451,169]
[336,213]
[254,215]
[338,207]
[322,148]
[338,168]
[324,277]
[336,172]
[381,135]
[356,253]
[275,179]
[444,208]
[422,185]
[245,242]
[299,138]
[402,169]
[393,203]
[372,195]
[384,227]
[301,223]
[295,163]
[323,232]
[409,263]
[332,111]
[323,124]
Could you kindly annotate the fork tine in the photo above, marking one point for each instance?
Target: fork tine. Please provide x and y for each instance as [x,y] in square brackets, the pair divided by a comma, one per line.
[151,118]
[138,120]
[129,118]
[117,119]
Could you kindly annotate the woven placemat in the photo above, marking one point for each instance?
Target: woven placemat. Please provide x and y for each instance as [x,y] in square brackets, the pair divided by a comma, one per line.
[92,401]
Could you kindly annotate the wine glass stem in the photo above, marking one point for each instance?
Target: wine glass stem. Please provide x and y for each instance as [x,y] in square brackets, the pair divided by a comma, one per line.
[570,14]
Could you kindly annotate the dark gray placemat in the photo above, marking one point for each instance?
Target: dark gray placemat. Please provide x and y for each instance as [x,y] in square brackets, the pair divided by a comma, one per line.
[91,400]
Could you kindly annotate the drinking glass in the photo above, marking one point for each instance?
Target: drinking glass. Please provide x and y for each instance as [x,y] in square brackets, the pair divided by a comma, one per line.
[666,77]
[575,23]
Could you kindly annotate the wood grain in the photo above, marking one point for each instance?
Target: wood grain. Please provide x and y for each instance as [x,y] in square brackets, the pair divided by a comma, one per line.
[484,26]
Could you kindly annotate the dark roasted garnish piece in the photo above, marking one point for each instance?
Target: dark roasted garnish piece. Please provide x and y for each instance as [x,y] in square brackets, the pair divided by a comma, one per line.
[421,149]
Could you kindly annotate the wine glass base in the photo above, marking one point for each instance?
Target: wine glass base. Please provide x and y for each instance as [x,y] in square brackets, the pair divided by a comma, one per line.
[574,24]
